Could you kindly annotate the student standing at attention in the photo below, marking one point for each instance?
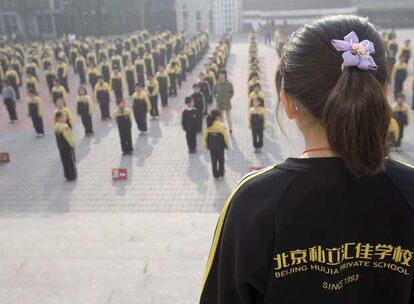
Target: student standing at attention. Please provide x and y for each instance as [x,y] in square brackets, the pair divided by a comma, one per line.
[152,92]
[257,123]
[35,110]
[85,110]
[66,145]
[141,105]
[164,85]
[9,98]
[216,140]
[102,93]
[122,117]
[336,223]
[189,122]
[401,113]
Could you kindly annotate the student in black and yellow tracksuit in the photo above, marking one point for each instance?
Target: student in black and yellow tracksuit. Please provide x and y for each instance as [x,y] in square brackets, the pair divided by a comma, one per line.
[141,105]
[189,123]
[81,68]
[66,145]
[130,77]
[206,89]
[200,105]
[149,64]
[401,113]
[9,98]
[140,70]
[35,111]
[406,51]
[117,84]
[172,75]
[122,117]
[105,71]
[257,122]
[93,75]
[152,92]
[102,95]
[32,84]
[50,76]
[32,68]
[216,140]
[393,133]
[58,91]
[62,74]
[13,80]
[61,107]
[257,92]
[116,61]
[84,108]
[164,85]
[399,75]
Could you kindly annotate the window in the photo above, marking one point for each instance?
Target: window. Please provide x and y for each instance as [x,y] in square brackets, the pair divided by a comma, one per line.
[11,24]
[45,24]
[198,15]
[198,26]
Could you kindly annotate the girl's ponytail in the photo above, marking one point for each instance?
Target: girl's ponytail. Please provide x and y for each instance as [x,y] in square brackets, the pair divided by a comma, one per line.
[348,102]
[357,117]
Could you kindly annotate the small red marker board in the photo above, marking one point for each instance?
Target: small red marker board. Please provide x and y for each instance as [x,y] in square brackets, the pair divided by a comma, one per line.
[255,168]
[119,173]
[4,157]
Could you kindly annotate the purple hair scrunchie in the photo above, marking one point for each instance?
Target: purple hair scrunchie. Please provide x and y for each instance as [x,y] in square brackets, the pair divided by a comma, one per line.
[356,53]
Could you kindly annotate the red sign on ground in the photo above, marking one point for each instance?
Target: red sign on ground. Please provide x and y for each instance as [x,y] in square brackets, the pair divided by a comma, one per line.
[119,173]
[4,157]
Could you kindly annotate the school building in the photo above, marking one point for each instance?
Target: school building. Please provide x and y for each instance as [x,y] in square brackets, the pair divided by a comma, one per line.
[45,19]
[217,16]
[385,13]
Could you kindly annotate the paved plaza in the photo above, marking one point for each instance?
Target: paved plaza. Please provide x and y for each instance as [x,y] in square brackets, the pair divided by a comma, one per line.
[144,240]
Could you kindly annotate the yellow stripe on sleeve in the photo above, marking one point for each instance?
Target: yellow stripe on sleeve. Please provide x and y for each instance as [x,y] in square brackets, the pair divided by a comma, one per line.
[220,223]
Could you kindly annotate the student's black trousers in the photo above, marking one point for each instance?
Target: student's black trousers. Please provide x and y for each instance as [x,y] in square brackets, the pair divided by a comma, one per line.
[257,138]
[191,137]
[69,163]
[126,140]
[38,124]
[87,122]
[11,108]
[217,162]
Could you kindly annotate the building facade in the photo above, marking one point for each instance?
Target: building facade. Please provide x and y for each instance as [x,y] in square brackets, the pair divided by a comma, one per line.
[194,15]
[45,19]
[217,16]
[34,18]
[227,15]
[385,13]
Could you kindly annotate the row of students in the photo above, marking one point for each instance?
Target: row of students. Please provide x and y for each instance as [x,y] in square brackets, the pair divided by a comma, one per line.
[86,68]
[398,59]
[257,117]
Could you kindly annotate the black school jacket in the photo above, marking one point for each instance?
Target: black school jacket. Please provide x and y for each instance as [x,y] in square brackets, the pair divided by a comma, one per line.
[307,231]
[189,120]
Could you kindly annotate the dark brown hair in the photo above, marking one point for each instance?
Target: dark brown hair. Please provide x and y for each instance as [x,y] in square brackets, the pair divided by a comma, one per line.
[212,117]
[350,104]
